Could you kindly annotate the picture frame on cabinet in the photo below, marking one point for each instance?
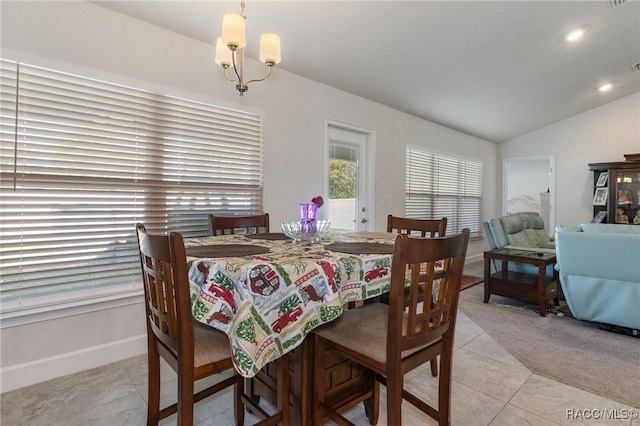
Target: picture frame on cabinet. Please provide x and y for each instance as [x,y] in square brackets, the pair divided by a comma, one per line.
[599,217]
[602,179]
[600,196]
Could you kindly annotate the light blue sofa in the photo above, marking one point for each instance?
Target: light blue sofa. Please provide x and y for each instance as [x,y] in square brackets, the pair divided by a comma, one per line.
[599,267]
[521,231]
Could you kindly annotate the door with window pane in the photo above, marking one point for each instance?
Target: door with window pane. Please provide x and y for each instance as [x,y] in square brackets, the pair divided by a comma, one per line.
[348,189]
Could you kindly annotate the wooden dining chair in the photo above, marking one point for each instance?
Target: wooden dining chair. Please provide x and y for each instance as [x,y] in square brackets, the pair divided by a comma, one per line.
[221,225]
[428,228]
[391,341]
[417,227]
[192,349]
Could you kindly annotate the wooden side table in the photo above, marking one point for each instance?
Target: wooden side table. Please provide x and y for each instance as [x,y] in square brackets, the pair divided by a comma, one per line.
[526,287]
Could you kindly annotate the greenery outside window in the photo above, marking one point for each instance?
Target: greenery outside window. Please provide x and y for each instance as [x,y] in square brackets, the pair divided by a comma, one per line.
[442,185]
[82,161]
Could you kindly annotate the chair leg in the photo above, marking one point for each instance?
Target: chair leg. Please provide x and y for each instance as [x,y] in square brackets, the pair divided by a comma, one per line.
[372,405]
[394,398]
[185,397]
[238,390]
[153,378]
[434,367]
[444,388]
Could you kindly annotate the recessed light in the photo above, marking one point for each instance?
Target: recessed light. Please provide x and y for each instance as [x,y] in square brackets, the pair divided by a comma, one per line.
[575,35]
[605,87]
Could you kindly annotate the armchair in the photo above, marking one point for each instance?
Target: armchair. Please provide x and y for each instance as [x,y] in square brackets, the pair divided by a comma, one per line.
[520,231]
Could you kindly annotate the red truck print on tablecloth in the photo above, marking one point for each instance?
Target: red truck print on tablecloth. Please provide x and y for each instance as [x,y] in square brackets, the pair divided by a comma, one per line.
[285,319]
[225,295]
[375,273]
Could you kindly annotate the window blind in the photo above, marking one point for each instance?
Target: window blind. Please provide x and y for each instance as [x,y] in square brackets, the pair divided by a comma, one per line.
[83,160]
[440,185]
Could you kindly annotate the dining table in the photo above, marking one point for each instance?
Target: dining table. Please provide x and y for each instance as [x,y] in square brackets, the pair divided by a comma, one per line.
[267,292]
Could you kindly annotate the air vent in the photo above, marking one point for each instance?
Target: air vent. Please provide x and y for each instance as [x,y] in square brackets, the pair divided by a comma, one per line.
[615,3]
[636,67]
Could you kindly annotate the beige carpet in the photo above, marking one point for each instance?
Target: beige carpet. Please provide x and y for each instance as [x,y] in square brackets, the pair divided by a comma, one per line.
[570,351]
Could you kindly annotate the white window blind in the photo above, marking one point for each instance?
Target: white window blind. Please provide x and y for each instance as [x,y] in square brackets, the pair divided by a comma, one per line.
[440,185]
[83,160]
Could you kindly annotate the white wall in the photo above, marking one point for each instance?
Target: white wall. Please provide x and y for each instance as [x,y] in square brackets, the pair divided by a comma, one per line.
[598,135]
[527,177]
[85,39]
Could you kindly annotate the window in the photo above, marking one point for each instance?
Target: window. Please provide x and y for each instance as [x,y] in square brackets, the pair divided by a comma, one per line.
[440,185]
[82,161]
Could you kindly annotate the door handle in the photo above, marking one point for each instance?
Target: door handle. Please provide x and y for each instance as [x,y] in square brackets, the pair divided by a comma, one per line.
[363,220]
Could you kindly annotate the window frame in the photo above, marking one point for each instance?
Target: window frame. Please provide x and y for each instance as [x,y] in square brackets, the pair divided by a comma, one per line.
[69,131]
[427,189]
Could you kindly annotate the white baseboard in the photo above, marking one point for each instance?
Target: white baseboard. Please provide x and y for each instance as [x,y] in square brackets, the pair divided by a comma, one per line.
[26,374]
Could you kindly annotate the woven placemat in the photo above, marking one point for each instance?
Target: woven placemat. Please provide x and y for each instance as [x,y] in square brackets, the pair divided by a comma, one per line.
[372,235]
[268,236]
[361,248]
[226,250]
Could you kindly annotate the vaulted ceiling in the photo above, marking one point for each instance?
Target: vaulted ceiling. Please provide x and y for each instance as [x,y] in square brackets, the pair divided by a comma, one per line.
[492,69]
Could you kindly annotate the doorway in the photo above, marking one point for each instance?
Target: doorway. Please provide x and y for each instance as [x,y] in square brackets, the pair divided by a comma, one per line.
[529,186]
[348,176]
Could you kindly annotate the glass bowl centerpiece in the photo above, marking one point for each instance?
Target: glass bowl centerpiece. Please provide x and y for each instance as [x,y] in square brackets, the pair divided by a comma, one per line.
[300,231]
[309,228]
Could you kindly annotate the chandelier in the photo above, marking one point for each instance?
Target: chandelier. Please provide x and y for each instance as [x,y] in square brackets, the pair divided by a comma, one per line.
[230,50]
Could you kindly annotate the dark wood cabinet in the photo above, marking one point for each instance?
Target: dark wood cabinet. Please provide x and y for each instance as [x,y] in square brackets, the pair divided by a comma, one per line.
[620,181]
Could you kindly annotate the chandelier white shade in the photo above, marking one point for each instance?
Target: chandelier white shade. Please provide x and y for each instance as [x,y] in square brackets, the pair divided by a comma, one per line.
[230,50]
[233,33]
[270,48]
[223,54]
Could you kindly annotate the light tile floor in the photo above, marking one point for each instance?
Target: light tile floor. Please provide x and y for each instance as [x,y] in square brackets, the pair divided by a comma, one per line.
[490,387]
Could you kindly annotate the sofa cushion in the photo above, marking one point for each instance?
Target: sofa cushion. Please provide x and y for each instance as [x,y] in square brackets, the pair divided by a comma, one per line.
[537,237]
[500,239]
[536,222]
[610,228]
[524,238]
[512,223]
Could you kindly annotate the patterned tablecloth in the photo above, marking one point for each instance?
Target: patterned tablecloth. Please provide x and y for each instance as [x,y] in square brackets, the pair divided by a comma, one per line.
[267,303]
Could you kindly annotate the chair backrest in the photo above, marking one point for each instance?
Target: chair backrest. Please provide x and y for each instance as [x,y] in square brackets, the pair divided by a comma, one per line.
[166,290]
[434,268]
[221,225]
[425,227]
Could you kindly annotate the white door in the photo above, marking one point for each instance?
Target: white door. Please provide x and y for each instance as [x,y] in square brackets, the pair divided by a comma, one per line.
[348,177]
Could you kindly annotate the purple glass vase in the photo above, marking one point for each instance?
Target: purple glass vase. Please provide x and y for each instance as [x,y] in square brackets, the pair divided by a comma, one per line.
[308,212]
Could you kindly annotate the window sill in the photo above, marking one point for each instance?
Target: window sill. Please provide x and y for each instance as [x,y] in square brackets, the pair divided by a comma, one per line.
[13,314]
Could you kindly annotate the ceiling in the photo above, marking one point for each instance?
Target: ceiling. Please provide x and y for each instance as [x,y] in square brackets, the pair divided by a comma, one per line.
[492,69]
